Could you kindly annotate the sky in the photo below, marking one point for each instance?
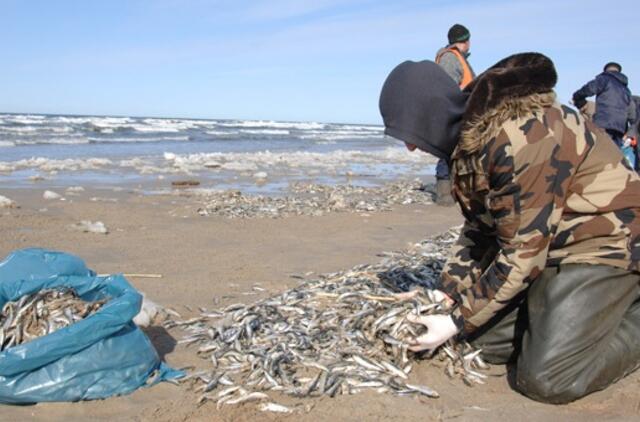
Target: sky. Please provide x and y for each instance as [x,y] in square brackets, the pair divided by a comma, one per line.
[294,60]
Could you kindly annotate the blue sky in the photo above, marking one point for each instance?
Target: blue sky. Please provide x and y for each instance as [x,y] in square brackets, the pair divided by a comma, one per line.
[320,60]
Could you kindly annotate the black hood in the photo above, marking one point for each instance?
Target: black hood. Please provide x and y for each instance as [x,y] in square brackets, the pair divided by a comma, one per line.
[619,76]
[421,105]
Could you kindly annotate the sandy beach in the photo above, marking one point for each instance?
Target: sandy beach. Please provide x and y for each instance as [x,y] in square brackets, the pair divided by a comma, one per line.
[202,258]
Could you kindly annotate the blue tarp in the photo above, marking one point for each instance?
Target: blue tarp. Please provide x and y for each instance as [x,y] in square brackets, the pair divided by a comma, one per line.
[103,355]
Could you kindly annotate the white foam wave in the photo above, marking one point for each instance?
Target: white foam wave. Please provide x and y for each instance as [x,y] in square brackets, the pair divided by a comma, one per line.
[170,125]
[24,119]
[156,129]
[272,124]
[98,120]
[19,129]
[265,131]
[138,139]
[339,137]
[218,132]
[58,141]
[31,130]
[60,129]
[370,128]
[55,165]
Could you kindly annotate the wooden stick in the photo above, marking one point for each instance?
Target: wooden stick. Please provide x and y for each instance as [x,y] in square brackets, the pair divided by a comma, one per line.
[135,275]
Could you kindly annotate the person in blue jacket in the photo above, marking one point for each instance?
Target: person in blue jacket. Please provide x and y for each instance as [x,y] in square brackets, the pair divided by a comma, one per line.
[615,110]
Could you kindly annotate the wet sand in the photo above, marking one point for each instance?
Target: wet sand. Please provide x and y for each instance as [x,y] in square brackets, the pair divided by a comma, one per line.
[205,257]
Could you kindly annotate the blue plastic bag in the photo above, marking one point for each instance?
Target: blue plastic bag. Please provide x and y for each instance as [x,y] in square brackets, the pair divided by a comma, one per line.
[103,355]
[630,154]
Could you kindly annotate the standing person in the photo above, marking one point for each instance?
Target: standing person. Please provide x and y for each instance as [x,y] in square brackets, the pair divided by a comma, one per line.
[453,59]
[614,109]
[545,272]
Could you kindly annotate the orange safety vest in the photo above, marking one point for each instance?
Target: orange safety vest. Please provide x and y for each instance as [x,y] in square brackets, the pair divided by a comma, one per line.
[467,76]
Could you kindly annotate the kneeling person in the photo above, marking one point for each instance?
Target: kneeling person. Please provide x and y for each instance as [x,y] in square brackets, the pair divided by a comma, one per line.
[545,271]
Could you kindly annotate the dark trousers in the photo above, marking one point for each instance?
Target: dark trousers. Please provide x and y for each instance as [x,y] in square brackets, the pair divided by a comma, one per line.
[442,170]
[575,331]
[616,136]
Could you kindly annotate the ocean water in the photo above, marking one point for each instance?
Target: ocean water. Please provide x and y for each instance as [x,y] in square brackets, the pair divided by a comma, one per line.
[57,151]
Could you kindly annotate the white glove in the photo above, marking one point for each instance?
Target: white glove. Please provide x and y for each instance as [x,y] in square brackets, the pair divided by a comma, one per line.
[626,142]
[440,328]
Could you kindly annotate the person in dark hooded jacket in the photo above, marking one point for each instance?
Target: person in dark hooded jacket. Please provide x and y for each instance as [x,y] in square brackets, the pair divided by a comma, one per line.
[614,109]
[545,273]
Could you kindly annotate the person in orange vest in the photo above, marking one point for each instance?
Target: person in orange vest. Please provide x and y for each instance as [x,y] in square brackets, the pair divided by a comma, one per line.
[453,59]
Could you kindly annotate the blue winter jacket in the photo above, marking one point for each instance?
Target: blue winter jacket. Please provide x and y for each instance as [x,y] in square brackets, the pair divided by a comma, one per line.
[613,100]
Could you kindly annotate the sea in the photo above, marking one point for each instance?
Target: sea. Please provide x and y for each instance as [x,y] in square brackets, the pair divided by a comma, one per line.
[264,156]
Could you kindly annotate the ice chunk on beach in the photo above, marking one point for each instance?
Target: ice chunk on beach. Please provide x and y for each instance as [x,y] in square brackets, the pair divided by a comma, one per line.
[260,175]
[6,202]
[75,189]
[49,194]
[212,164]
[89,227]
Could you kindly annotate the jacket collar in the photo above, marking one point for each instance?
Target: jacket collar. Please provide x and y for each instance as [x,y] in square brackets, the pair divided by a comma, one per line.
[511,88]
[453,47]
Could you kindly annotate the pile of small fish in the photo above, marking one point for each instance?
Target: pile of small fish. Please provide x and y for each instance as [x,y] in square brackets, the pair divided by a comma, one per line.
[315,200]
[340,334]
[41,313]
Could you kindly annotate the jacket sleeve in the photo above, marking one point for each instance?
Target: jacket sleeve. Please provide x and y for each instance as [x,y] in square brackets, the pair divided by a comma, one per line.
[590,89]
[525,200]
[451,65]
[469,258]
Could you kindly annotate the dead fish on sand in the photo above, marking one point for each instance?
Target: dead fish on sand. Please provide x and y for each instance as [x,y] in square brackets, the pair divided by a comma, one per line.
[342,333]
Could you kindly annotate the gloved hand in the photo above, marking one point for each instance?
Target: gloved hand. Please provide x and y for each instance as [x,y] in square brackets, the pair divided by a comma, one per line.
[440,328]
[627,142]
[579,103]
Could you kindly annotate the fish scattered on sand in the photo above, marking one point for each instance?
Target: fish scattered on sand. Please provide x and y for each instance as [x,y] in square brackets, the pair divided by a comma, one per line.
[314,200]
[341,333]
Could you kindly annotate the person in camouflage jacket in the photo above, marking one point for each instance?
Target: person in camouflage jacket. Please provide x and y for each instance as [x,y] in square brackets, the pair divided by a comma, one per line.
[545,273]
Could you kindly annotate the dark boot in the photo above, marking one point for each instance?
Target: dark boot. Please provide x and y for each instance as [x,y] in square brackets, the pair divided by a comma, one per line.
[443,193]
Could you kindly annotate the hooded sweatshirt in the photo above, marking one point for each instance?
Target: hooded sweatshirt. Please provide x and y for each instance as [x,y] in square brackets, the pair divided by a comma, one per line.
[421,105]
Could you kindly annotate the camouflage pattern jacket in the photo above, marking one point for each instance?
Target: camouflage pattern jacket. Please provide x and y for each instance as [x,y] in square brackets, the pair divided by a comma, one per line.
[538,186]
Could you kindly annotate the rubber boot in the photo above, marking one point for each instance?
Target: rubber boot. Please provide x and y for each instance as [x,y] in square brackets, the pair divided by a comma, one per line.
[443,193]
